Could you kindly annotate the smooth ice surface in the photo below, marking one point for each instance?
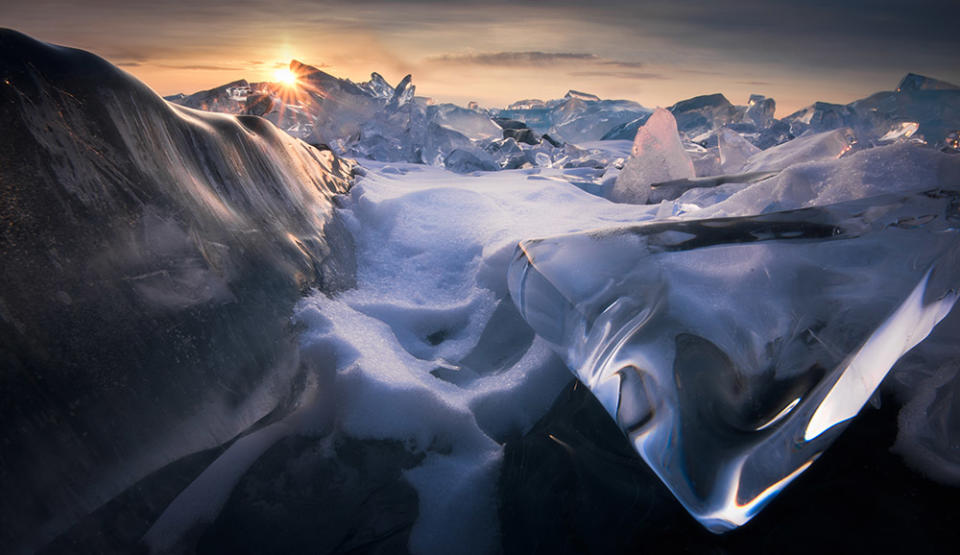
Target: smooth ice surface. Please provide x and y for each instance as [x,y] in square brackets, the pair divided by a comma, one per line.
[820,146]
[657,156]
[733,351]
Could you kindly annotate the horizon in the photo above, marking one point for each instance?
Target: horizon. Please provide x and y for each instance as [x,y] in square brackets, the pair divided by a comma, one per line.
[779,113]
[500,52]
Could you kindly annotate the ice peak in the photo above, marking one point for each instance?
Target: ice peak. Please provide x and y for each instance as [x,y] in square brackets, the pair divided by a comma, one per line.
[582,96]
[915,82]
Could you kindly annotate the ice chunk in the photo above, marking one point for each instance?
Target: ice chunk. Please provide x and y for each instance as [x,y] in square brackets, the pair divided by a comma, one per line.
[822,116]
[507,153]
[902,130]
[467,122]
[706,161]
[819,146]
[378,87]
[657,156]
[913,82]
[582,96]
[463,160]
[760,110]
[732,352]
[625,131]
[517,130]
[403,93]
[591,121]
[734,150]
[528,104]
[702,114]
[441,141]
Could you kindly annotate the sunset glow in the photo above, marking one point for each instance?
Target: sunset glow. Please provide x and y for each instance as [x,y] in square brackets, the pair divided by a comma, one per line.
[285,77]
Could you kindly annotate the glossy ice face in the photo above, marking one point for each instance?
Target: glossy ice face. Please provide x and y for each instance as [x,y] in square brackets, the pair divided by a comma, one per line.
[732,352]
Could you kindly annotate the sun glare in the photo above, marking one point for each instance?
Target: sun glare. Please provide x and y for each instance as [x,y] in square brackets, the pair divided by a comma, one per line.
[285,77]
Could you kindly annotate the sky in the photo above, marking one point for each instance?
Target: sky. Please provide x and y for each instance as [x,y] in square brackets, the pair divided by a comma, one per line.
[495,52]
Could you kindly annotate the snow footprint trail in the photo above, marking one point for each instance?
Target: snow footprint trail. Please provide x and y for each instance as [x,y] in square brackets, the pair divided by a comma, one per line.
[429,347]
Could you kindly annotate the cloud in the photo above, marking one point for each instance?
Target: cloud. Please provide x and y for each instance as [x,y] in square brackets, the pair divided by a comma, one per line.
[529,58]
[604,67]
[626,65]
[618,74]
[201,67]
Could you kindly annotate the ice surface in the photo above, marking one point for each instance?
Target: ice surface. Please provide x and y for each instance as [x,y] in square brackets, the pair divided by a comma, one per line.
[657,156]
[876,171]
[733,351]
[819,146]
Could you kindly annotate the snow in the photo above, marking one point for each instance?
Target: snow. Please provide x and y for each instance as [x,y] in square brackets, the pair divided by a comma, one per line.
[414,339]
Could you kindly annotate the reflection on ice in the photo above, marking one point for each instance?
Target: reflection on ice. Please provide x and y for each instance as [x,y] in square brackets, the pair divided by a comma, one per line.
[733,351]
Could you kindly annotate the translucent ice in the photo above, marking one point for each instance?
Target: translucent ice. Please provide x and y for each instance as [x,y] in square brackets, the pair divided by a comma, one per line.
[703,114]
[732,352]
[657,156]
[819,146]
[468,122]
[734,151]
[760,110]
[378,87]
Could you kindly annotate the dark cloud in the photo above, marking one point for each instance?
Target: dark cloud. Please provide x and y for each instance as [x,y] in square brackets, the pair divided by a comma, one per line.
[514,58]
[625,65]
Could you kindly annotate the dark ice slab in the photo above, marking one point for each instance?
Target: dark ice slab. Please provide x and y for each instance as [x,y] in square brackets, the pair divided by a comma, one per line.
[151,258]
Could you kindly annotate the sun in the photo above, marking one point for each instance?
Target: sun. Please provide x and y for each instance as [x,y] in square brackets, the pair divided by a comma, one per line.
[285,77]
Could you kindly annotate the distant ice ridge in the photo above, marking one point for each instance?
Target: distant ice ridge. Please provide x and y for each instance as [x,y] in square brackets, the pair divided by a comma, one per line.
[580,132]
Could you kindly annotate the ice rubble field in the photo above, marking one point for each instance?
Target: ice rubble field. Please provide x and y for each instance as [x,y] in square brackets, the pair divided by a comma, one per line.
[429,348]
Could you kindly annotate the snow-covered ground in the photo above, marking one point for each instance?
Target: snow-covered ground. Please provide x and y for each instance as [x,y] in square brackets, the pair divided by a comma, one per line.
[430,349]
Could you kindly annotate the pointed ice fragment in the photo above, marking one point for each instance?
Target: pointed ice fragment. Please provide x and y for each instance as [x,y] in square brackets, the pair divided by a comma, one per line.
[657,157]
[378,87]
[732,352]
[734,150]
[403,93]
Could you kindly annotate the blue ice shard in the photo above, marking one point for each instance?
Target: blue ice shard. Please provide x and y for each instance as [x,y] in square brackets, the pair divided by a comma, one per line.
[732,352]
